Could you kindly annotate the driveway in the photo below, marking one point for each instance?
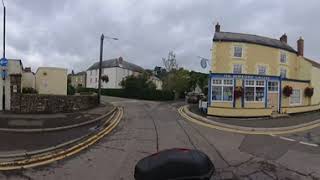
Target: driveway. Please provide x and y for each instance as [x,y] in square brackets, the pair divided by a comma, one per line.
[149,126]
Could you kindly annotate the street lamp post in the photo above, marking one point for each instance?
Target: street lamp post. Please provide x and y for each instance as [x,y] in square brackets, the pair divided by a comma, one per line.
[100,68]
[4,29]
[100,63]
[4,57]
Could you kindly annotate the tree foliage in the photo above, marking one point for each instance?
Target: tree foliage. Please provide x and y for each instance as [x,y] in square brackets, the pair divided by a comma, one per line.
[136,83]
[181,81]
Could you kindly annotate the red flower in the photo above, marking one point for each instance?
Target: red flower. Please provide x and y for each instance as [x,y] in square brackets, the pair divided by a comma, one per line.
[308,91]
[287,90]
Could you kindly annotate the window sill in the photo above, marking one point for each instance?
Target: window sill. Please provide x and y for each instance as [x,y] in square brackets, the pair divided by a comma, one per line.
[254,101]
[222,101]
[238,58]
[296,104]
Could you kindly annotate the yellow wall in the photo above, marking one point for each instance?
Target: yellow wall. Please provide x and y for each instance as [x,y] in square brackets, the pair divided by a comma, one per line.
[305,67]
[235,112]
[51,80]
[300,109]
[295,85]
[253,55]
[222,104]
[315,83]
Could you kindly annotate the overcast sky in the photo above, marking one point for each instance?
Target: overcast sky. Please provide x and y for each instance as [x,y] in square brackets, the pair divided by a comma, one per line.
[65,33]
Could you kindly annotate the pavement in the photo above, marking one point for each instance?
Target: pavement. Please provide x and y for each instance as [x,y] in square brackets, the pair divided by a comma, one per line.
[263,122]
[45,121]
[149,126]
[22,142]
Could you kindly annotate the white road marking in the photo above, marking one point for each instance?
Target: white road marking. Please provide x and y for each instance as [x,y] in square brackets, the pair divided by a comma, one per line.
[287,139]
[309,144]
[272,135]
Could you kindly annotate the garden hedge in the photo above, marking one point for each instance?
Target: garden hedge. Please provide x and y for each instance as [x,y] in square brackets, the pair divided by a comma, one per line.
[146,94]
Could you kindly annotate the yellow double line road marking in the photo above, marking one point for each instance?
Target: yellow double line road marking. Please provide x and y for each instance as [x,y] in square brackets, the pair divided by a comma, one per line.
[253,132]
[55,156]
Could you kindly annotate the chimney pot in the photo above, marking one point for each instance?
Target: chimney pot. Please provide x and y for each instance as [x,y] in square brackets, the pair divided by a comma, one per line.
[217,27]
[300,44]
[120,60]
[284,38]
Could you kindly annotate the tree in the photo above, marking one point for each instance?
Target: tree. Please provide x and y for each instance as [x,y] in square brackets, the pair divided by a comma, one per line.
[160,72]
[138,83]
[177,81]
[170,63]
[198,79]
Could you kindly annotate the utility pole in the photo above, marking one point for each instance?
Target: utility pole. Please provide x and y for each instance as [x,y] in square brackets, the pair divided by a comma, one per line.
[4,30]
[100,68]
[4,57]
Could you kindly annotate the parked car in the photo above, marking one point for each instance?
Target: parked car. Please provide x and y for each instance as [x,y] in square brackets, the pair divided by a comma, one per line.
[175,163]
[193,98]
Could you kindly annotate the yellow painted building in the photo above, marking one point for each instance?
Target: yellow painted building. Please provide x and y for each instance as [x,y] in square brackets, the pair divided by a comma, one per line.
[250,73]
[51,80]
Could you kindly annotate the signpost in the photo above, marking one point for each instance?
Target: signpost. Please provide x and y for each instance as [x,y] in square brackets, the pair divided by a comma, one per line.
[3,62]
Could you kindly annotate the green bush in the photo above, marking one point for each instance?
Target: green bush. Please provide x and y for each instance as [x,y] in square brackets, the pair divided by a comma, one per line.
[28,90]
[146,94]
[71,90]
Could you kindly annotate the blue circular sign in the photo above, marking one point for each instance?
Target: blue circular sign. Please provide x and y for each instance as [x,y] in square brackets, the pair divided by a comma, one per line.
[3,61]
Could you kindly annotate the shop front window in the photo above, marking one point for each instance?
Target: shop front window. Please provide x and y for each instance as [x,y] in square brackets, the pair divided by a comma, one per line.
[254,90]
[222,90]
[273,86]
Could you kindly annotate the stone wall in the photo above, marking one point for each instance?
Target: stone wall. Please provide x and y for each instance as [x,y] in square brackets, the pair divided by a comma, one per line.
[35,103]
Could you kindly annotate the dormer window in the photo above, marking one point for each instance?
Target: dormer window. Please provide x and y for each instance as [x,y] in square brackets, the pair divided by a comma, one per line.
[283,58]
[237,51]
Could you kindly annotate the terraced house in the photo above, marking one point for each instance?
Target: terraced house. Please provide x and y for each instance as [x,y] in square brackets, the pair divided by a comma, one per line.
[256,76]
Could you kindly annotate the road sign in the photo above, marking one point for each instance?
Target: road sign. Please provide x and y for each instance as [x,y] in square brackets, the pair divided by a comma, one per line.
[3,61]
[203,63]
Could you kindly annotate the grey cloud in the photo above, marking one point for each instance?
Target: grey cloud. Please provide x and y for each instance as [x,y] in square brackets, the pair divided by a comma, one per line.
[66,32]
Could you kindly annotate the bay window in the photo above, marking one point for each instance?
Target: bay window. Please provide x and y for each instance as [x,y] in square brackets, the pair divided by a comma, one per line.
[254,90]
[222,90]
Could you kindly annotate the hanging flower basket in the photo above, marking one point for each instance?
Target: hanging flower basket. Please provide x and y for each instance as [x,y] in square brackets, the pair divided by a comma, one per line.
[238,92]
[105,78]
[308,91]
[287,91]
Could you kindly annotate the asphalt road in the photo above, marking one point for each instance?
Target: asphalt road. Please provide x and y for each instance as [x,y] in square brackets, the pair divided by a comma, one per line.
[151,126]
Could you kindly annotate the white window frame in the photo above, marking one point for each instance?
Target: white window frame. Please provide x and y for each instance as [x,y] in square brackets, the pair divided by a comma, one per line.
[254,90]
[283,54]
[300,98]
[277,91]
[222,85]
[283,68]
[262,66]
[234,51]
[239,65]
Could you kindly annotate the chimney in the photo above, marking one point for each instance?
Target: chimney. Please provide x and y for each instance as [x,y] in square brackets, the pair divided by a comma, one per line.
[284,38]
[217,27]
[300,44]
[120,60]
